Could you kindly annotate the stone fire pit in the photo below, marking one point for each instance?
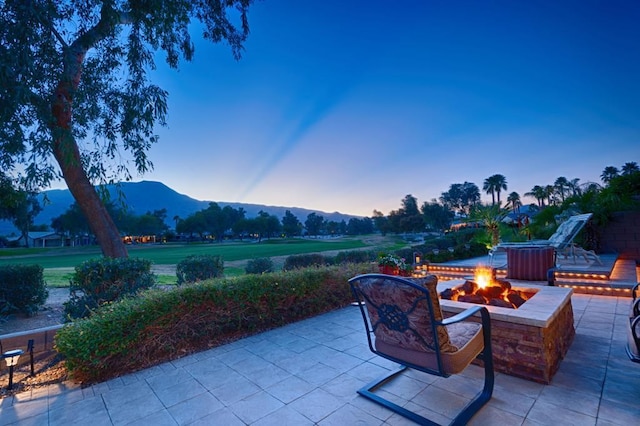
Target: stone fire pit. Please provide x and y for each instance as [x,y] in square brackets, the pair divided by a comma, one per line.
[528,342]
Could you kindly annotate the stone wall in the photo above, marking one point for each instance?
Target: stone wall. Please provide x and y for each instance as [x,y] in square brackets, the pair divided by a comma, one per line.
[622,235]
[531,352]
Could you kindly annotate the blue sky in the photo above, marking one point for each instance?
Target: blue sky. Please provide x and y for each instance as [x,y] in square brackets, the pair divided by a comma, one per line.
[350,105]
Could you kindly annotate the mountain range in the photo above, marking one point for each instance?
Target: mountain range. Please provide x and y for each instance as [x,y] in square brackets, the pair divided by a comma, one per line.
[147,196]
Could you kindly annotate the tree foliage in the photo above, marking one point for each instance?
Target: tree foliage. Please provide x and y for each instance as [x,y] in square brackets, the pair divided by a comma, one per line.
[77,71]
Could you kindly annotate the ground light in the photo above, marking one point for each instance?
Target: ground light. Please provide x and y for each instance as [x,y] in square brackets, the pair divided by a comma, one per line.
[11,358]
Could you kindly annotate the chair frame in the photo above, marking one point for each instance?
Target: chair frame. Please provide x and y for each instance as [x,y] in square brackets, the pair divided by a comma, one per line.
[486,355]
[561,240]
[634,319]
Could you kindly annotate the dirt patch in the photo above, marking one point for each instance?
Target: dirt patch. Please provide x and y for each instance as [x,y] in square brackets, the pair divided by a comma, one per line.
[49,367]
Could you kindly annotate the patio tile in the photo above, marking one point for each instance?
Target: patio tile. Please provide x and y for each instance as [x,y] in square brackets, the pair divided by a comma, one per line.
[223,416]
[236,390]
[578,401]
[11,413]
[491,415]
[551,414]
[160,418]
[179,392]
[255,407]
[90,410]
[290,389]
[282,417]
[319,374]
[619,414]
[622,388]
[514,403]
[440,401]
[349,415]
[195,408]
[316,405]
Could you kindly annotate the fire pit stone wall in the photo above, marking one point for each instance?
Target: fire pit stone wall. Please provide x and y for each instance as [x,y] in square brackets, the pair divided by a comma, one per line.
[531,341]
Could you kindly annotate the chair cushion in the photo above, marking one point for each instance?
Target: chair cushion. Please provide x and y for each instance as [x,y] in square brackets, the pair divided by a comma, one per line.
[466,335]
[416,334]
[531,263]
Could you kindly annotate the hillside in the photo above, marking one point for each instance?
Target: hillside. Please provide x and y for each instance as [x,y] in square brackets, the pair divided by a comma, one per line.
[141,197]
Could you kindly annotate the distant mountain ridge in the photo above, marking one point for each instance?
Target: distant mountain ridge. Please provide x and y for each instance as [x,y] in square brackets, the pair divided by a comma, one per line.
[144,196]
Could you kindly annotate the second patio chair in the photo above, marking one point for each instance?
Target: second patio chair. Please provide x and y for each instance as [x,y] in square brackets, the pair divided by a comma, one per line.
[404,324]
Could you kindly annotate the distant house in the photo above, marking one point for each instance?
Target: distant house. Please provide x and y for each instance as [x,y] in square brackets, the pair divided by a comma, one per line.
[39,239]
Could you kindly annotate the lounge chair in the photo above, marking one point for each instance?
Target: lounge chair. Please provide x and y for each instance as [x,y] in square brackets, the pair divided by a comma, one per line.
[561,241]
[404,324]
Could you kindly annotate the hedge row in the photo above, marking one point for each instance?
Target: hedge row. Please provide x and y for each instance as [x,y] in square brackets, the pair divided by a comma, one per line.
[158,325]
[22,289]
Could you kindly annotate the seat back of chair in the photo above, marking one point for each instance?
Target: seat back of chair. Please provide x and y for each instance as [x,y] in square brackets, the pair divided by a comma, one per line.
[401,312]
[568,230]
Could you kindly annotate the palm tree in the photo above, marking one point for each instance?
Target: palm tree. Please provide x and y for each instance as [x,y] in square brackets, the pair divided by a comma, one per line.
[609,173]
[176,218]
[538,193]
[549,194]
[574,187]
[630,168]
[513,200]
[561,186]
[493,185]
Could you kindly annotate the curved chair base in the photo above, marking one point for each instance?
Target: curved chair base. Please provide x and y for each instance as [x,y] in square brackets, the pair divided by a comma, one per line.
[461,419]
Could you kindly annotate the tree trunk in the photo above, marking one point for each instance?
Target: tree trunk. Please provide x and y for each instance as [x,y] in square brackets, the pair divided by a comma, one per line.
[67,154]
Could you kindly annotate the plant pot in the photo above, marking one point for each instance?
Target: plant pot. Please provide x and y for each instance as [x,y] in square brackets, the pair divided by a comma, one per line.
[389,270]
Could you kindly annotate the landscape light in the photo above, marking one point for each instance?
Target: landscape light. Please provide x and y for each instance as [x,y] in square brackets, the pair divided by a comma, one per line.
[11,358]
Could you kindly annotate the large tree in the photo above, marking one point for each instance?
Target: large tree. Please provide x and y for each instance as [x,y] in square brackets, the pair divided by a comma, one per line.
[494,185]
[77,71]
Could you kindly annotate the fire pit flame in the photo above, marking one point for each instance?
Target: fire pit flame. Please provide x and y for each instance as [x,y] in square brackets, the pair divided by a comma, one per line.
[486,289]
[483,276]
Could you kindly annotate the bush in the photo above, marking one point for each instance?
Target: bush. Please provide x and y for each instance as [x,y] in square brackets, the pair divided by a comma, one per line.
[22,289]
[259,266]
[355,256]
[201,267]
[158,326]
[304,261]
[99,281]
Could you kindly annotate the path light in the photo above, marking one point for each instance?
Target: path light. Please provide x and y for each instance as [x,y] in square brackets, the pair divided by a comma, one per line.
[417,258]
[11,358]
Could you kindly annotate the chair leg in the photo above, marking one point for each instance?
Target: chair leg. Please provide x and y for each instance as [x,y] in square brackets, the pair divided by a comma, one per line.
[367,392]
[463,417]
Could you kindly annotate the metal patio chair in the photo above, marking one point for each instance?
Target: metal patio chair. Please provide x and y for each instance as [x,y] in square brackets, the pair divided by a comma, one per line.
[561,241]
[404,324]
[633,331]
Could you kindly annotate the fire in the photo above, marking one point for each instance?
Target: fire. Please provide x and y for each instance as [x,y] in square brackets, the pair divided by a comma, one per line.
[483,276]
[486,289]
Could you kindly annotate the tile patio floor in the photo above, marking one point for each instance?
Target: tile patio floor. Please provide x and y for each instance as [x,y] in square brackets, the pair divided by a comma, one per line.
[307,373]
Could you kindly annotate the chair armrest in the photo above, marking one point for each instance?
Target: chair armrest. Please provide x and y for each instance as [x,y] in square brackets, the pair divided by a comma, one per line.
[635,309]
[464,315]
[633,325]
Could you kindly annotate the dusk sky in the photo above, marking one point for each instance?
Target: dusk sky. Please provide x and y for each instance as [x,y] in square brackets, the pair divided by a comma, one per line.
[350,105]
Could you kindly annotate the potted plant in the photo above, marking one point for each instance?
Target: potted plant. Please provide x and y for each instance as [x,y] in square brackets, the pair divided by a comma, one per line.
[391,264]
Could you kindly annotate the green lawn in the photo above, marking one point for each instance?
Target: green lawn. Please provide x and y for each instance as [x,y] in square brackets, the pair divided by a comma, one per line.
[170,254]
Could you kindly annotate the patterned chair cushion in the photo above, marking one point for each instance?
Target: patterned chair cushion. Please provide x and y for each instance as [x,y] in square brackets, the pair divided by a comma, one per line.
[531,263]
[407,324]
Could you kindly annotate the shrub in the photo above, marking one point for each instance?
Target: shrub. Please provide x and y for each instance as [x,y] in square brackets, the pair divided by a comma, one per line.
[22,289]
[201,267]
[259,266]
[99,281]
[157,326]
[355,256]
[304,261]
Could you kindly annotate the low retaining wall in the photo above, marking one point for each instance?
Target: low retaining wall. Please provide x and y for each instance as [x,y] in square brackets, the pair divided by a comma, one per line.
[42,340]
